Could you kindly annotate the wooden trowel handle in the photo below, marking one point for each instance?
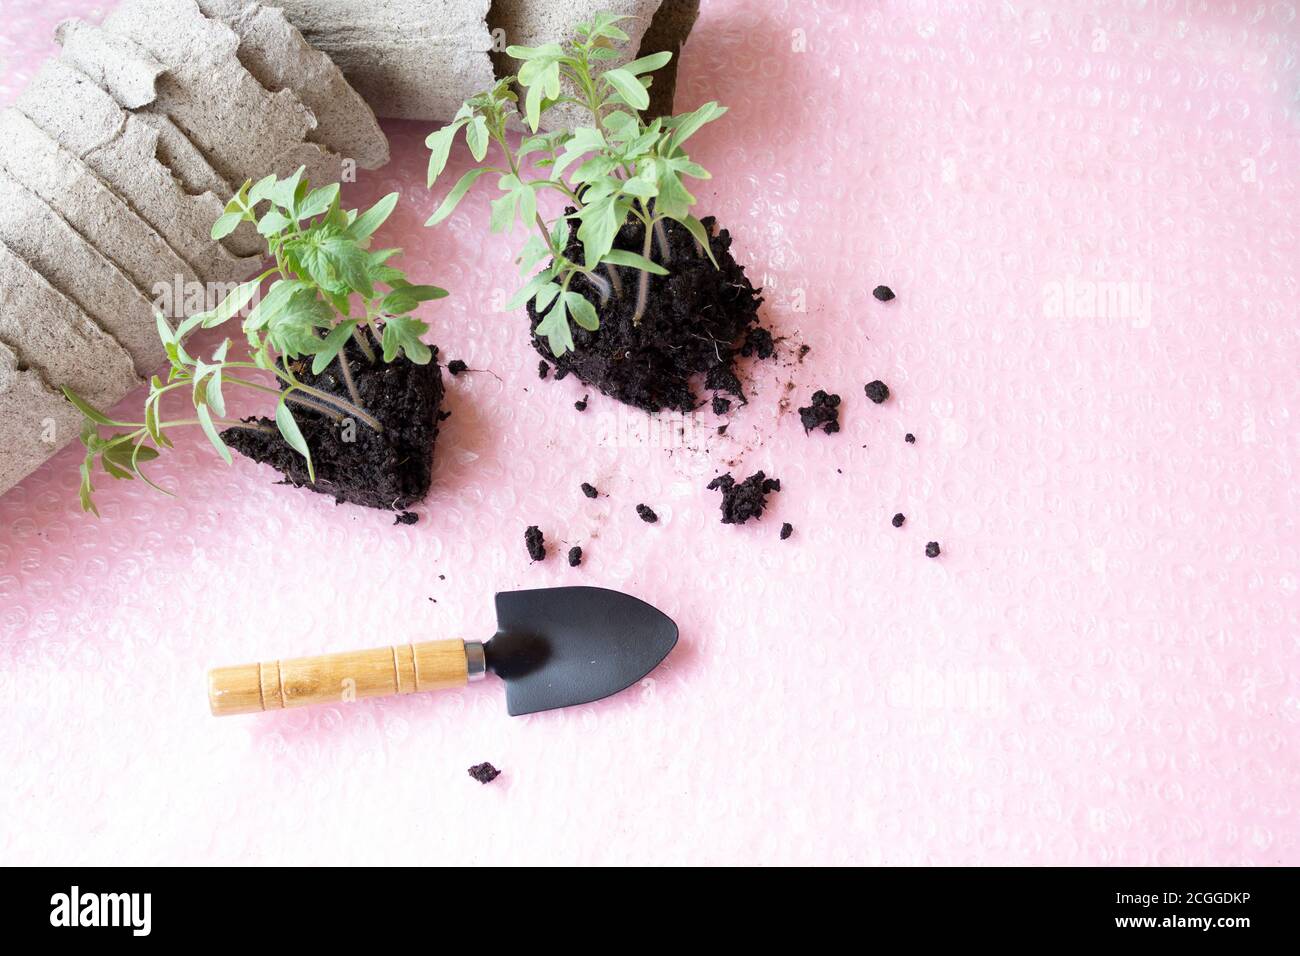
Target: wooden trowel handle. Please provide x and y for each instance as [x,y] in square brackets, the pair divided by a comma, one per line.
[342,678]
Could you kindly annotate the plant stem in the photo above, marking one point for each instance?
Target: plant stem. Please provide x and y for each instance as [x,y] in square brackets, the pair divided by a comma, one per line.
[643,283]
[611,270]
[345,407]
[347,374]
[366,350]
[661,234]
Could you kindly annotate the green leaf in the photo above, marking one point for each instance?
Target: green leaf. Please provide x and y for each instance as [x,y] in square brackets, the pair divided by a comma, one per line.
[239,297]
[273,222]
[406,297]
[126,456]
[688,124]
[600,224]
[503,210]
[261,190]
[701,234]
[628,87]
[455,196]
[284,193]
[90,411]
[583,312]
[332,345]
[87,490]
[374,217]
[476,136]
[545,295]
[293,329]
[402,334]
[272,303]
[555,328]
[439,143]
[529,290]
[648,64]
[292,434]
[210,429]
[622,257]
[318,202]
[226,224]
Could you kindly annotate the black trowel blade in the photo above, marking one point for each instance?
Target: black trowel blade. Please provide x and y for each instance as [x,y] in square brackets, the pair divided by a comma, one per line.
[556,647]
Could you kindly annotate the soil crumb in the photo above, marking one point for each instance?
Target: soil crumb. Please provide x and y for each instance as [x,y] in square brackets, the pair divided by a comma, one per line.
[406,517]
[883,293]
[575,556]
[823,413]
[877,391]
[484,772]
[932,549]
[646,514]
[747,499]
[535,543]
[589,489]
[787,529]
[456,366]
[899,519]
[543,369]
[910,438]
[721,405]
[581,404]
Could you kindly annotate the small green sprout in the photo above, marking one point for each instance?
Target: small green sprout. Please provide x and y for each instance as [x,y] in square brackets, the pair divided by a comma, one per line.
[322,260]
[621,169]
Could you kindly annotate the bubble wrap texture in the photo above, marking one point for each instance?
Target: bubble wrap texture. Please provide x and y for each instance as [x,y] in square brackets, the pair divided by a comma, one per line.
[1101,668]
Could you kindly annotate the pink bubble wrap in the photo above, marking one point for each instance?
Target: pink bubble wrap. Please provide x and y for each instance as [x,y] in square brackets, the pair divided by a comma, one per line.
[1089,214]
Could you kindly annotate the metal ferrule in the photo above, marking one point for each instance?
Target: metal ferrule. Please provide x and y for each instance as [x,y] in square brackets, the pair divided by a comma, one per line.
[476,660]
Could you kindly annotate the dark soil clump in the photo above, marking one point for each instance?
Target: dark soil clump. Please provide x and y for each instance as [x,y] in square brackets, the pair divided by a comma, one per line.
[581,404]
[883,293]
[910,438]
[484,772]
[456,366]
[697,320]
[823,413]
[758,341]
[787,529]
[589,490]
[390,469]
[646,514]
[932,549]
[406,517]
[747,499]
[534,542]
[877,391]
[721,405]
[575,556]
[899,519]
[543,369]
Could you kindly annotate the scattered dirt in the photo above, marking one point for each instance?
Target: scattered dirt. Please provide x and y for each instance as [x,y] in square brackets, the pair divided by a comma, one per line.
[646,514]
[406,517]
[581,404]
[877,391]
[747,499]
[535,543]
[910,438]
[721,405]
[390,469]
[456,366]
[697,319]
[589,490]
[823,413]
[575,556]
[883,293]
[899,519]
[787,529]
[543,369]
[484,772]
[932,549]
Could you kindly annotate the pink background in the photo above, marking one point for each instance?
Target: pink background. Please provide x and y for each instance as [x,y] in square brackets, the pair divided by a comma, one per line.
[1103,666]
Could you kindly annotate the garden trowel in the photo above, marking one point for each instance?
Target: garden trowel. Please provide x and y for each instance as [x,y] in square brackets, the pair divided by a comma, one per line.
[554,647]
